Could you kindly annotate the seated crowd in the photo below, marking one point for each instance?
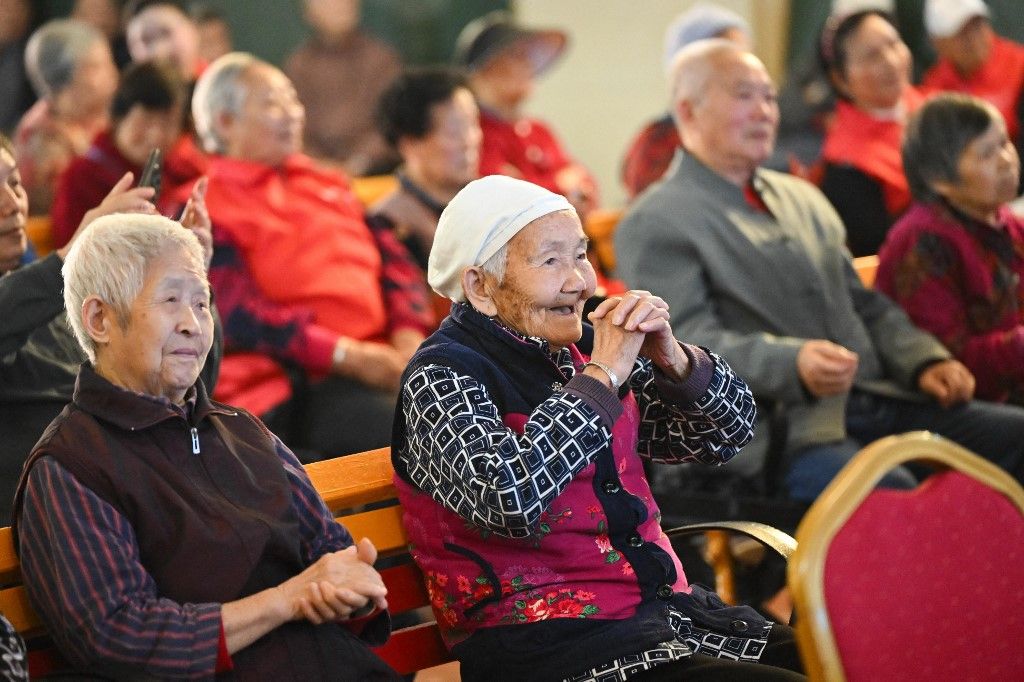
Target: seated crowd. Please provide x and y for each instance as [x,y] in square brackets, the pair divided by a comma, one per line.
[187,346]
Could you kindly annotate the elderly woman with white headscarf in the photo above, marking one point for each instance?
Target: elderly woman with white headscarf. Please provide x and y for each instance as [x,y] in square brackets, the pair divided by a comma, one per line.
[164,535]
[517,449]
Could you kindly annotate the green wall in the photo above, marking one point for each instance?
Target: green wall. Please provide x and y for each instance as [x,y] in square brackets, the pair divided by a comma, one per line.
[423,31]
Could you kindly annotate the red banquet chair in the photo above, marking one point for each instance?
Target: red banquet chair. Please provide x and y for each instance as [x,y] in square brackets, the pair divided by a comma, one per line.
[923,584]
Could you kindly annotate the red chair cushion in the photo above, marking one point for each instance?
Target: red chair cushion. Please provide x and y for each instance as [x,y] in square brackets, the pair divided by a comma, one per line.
[928,584]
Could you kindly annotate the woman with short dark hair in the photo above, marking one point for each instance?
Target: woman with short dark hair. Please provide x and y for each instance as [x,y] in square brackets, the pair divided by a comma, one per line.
[955,260]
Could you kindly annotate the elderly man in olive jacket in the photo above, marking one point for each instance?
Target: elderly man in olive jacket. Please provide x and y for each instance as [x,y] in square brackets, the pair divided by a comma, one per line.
[753,264]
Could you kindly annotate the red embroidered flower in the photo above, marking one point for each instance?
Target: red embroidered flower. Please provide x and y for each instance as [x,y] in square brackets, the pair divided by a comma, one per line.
[627,569]
[482,590]
[568,607]
[594,509]
[442,579]
[537,610]
[603,543]
[585,596]
[463,583]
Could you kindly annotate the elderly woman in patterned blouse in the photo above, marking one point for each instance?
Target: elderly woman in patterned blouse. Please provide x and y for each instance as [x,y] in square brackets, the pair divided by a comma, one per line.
[517,448]
[955,260]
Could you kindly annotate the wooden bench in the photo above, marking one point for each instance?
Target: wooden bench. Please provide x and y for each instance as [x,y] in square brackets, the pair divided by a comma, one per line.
[345,483]
[348,485]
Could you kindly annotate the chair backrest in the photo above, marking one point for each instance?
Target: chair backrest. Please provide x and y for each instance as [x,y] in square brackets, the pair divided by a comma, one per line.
[867,268]
[370,189]
[347,484]
[600,228]
[39,230]
[912,584]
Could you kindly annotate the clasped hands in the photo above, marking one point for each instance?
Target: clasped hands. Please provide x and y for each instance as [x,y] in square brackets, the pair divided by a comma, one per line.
[336,586]
[633,324]
[826,369]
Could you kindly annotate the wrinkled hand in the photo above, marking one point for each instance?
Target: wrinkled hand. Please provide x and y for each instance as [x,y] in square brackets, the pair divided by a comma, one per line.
[196,218]
[641,311]
[374,364]
[826,368]
[949,382]
[336,585]
[122,198]
[614,345]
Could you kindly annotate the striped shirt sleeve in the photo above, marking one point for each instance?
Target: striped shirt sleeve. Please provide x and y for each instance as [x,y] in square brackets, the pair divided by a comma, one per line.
[84,575]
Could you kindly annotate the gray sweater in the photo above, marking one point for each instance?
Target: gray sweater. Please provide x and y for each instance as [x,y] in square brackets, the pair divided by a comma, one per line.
[754,286]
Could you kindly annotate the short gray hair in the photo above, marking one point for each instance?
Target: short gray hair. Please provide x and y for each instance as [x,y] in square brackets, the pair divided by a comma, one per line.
[693,66]
[109,260]
[936,137]
[54,51]
[220,89]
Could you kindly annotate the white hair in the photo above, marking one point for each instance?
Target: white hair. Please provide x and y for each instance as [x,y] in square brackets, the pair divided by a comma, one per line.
[54,51]
[693,66]
[109,260]
[220,89]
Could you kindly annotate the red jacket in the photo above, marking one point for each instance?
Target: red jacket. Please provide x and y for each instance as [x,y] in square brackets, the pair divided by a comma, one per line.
[295,267]
[525,149]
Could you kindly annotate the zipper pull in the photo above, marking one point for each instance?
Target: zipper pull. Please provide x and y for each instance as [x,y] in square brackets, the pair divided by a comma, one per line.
[195,441]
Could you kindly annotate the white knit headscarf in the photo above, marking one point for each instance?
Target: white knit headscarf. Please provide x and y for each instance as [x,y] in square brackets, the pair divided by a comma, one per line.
[483,217]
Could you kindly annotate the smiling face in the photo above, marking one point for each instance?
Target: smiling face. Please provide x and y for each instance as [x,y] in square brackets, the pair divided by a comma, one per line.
[730,126]
[13,213]
[876,72]
[547,280]
[163,345]
[988,172]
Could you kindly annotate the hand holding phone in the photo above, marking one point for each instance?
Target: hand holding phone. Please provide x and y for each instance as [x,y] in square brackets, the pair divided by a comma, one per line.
[152,172]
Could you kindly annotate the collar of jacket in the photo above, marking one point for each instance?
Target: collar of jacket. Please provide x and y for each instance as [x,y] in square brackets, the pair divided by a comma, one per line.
[133,411]
[465,315]
[242,172]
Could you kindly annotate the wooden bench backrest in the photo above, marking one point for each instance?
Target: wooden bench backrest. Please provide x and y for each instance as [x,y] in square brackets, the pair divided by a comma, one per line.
[346,484]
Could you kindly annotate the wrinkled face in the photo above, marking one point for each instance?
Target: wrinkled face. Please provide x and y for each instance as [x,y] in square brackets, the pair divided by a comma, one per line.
[989,170]
[142,130]
[269,126]
[13,213]
[332,19]
[877,70]
[736,117]
[968,48]
[163,347]
[94,82]
[448,155]
[163,33]
[547,280]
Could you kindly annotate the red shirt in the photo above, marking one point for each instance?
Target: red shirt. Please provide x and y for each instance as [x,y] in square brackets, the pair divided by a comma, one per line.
[1000,80]
[872,146]
[525,148]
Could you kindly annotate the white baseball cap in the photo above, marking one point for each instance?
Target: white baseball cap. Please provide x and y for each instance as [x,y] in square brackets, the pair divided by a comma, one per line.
[944,18]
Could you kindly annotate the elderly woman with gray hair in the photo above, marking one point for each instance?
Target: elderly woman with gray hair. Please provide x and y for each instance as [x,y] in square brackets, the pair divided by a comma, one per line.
[142,479]
[955,260]
[320,312]
[72,71]
[518,451]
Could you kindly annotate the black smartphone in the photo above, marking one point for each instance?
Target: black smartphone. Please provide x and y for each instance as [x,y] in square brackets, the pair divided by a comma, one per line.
[152,172]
